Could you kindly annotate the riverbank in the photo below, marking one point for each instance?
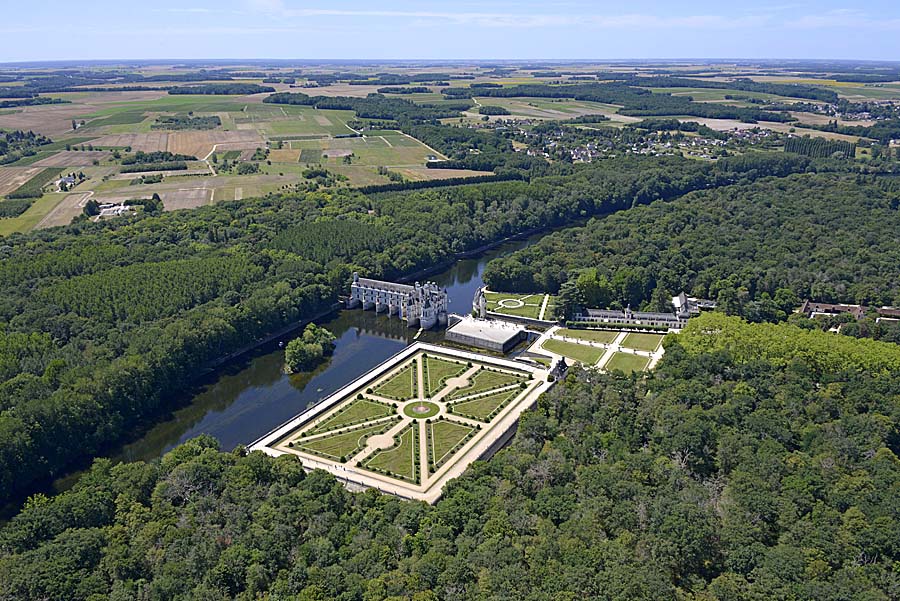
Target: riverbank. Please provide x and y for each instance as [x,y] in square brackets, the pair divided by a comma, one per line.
[244,394]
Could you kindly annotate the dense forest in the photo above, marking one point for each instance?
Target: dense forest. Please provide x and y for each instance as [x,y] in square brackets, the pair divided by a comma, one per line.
[820,147]
[135,306]
[374,106]
[177,122]
[756,247]
[744,84]
[756,462]
[223,89]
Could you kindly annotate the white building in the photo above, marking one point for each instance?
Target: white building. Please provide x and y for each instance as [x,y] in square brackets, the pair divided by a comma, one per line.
[423,305]
[494,335]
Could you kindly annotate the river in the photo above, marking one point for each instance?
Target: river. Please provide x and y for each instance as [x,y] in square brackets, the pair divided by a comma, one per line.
[250,396]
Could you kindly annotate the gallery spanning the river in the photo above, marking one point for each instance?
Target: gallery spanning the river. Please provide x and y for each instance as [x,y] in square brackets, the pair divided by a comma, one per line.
[422,305]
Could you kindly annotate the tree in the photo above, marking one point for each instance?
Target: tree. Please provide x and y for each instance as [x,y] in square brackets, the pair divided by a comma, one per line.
[307,350]
[570,300]
[91,208]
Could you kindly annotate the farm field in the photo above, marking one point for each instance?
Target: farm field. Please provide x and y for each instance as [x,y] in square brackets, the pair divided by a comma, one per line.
[389,149]
[719,95]
[295,136]
[13,177]
[545,108]
[418,441]
[627,363]
[33,216]
[292,137]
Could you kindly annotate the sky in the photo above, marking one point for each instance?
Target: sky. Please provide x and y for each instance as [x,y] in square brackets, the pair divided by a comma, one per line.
[463,29]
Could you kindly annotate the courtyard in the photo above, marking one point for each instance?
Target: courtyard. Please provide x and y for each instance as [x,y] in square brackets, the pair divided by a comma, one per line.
[610,350]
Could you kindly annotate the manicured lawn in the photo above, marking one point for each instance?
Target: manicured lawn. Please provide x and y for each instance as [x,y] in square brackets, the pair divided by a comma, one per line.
[589,355]
[481,408]
[444,436]
[626,362]
[438,371]
[545,361]
[642,342]
[340,445]
[601,336]
[402,386]
[486,380]
[358,411]
[508,303]
[399,460]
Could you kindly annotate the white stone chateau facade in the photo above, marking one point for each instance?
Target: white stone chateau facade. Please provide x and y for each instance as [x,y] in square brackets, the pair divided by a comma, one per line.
[422,305]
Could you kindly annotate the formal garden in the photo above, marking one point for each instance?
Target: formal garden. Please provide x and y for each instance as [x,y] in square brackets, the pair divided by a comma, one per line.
[437,403]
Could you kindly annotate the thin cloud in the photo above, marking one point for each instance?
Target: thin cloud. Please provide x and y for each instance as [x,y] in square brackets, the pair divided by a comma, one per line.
[513,19]
[845,18]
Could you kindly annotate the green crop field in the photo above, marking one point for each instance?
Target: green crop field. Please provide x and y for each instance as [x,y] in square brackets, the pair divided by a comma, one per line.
[34,185]
[400,460]
[642,342]
[601,336]
[310,155]
[714,95]
[301,120]
[390,149]
[30,218]
[30,160]
[121,118]
[444,438]
[438,371]
[402,386]
[627,363]
[589,355]
[486,380]
[344,444]
[360,410]
[481,408]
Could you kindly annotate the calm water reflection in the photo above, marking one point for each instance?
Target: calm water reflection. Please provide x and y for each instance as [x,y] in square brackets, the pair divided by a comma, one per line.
[248,398]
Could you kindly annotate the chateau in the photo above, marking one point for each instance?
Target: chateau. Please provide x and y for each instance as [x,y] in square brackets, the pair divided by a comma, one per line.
[423,305]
